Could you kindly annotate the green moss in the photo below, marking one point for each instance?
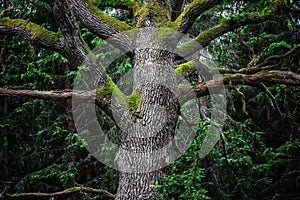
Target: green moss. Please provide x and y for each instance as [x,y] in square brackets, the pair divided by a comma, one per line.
[110,89]
[185,68]
[142,13]
[161,15]
[178,21]
[134,102]
[35,30]
[115,23]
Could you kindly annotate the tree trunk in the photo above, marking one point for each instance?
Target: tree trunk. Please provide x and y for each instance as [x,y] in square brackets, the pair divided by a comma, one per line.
[145,152]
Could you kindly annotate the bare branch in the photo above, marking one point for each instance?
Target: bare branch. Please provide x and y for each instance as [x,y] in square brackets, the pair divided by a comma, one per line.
[47,95]
[64,192]
[186,19]
[267,77]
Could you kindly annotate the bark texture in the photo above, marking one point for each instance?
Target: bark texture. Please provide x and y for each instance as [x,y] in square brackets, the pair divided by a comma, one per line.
[144,155]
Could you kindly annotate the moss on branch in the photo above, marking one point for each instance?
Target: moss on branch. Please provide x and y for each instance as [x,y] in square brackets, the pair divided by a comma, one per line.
[37,32]
[205,37]
[185,68]
[155,12]
[109,89]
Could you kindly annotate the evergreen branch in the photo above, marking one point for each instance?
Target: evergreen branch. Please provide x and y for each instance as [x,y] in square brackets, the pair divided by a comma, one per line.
[186,19]
[64,192]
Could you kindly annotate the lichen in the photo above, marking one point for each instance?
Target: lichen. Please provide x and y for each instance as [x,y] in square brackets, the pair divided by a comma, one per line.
[185,68]
[36,31]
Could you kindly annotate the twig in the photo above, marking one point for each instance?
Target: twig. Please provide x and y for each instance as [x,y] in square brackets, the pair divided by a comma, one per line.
[270,95]
[243,99]
[9,9]
[1,56]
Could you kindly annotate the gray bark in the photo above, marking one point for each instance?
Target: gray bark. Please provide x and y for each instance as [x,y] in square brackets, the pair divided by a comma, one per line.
[144,156]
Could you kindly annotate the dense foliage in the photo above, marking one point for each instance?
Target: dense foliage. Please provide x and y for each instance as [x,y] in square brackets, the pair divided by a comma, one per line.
[257,157]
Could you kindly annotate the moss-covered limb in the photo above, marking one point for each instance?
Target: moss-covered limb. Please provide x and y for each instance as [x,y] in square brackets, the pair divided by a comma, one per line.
[205,37]
[186,19]
[29,31]
[153,13]
[68,191]
[101,24]
[59,95]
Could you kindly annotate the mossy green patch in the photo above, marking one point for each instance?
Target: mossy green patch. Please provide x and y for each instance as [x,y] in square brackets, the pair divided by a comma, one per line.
[134,102]
[36,31]
[110,89]
[185,68]
[154,10]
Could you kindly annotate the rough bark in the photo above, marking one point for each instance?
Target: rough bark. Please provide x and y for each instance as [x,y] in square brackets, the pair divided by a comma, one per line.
[101,24]
[142,157]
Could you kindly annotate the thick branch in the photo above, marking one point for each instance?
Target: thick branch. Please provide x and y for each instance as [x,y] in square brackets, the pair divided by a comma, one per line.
[105,193]
[186,19]
[47,95]
[101,24]
[205,37]
[30,31]
[266,77]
